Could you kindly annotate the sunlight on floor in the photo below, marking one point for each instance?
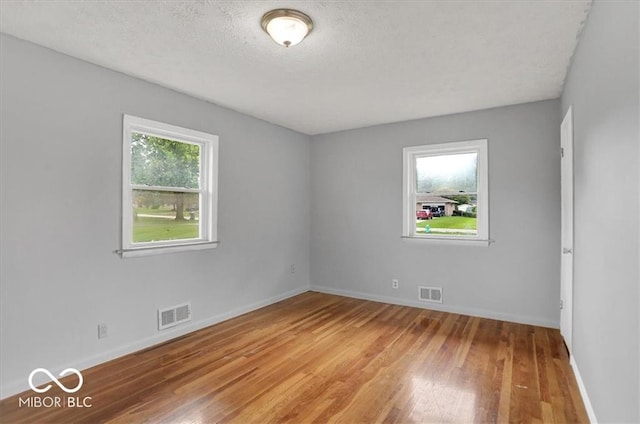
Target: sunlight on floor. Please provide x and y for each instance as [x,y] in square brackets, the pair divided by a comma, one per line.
[441,403]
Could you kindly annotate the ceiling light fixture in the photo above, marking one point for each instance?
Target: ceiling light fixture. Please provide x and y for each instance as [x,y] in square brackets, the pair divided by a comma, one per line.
[287,27]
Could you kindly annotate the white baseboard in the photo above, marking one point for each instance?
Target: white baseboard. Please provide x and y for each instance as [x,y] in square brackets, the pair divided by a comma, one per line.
[16,387]
[583,391]
[520,319]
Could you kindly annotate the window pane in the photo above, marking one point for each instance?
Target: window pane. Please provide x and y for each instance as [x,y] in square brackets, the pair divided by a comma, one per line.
[446,198]
[160,162]
[447,174]
[163,215]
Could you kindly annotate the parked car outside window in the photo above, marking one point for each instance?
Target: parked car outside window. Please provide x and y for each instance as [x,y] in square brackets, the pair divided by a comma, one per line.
[424,214]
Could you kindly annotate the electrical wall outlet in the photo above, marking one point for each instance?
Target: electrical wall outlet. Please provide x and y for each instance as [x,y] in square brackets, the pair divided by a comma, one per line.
[395,284]
[102,331]
[292,268]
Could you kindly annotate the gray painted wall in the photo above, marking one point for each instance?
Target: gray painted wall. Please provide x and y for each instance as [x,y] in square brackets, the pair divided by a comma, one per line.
[61,142]
[602,85]
[356,216]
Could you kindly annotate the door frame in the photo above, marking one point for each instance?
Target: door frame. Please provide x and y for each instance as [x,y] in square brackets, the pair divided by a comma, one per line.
[566,230]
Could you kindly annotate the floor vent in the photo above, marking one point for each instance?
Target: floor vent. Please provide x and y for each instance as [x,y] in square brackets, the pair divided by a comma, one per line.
[174,315]
[430,294]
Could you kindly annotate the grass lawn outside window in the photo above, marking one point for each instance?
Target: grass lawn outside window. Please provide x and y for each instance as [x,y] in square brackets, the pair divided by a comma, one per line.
[447,225]
[160,224]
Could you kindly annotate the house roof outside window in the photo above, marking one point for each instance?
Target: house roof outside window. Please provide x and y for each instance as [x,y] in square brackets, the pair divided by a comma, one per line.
[431,199]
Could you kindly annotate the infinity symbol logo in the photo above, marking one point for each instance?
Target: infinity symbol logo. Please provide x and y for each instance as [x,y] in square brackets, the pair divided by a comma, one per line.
[55,380]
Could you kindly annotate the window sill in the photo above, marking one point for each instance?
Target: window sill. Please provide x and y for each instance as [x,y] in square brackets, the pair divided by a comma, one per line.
[162,250]
[451,241]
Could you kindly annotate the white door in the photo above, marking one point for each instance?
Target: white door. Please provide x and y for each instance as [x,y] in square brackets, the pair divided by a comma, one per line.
[566,261]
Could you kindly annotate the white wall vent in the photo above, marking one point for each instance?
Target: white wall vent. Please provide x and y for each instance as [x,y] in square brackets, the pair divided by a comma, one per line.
[430,294]
[174,315]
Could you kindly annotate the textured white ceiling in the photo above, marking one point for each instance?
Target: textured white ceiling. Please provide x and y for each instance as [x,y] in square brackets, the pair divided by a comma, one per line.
[365,63]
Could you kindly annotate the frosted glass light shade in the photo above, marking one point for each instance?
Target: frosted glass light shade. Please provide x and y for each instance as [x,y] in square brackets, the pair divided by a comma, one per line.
[286,27]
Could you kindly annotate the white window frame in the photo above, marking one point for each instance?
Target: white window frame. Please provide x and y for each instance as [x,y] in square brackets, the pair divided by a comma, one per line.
[208,216]
[410,154]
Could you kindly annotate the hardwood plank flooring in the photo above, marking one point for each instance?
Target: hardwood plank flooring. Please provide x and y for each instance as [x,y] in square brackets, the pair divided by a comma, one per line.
[318,358]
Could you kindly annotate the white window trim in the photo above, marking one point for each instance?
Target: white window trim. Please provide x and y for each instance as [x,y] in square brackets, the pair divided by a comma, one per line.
[208,190]
[409,155]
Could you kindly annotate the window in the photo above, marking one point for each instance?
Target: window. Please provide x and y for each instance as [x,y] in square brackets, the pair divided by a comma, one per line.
[169,190]
[450,180]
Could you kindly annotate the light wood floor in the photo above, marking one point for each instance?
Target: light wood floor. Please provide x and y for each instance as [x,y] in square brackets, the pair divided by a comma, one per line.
[318,358]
